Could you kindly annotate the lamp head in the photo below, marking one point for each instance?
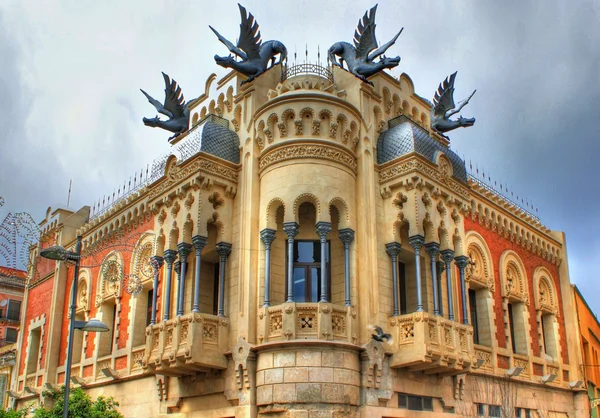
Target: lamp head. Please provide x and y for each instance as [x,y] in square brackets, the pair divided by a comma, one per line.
[548,378]
[56,252]
[93,325]
[514,372]
[575,384]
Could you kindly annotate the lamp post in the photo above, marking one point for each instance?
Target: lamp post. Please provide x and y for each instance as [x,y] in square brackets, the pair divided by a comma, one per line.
[93,325]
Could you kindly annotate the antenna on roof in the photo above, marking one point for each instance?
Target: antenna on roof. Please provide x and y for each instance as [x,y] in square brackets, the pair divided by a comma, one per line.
[69,196]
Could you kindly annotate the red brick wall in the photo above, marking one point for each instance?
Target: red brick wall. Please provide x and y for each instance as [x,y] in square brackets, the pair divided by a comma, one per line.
[497,244]
[126,249]
[38,303]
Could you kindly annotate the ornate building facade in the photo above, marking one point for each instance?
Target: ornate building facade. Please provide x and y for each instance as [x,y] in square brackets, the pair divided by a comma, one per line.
[240,279]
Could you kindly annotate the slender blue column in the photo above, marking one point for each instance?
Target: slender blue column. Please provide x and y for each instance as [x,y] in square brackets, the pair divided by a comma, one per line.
[267,236]
[291,229]
[448,256]
[393,249]
[440,269]
[462,261]
[346,236]
[416,242]
[184,250]
[157,262]
[224,249]
[433,249]
[169,257]
[323,229]
[199,242]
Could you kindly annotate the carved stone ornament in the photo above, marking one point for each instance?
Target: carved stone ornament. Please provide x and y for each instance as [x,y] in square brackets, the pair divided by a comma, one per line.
[255,55]
[174,108]
[321,152]
[360,58]
[444,108]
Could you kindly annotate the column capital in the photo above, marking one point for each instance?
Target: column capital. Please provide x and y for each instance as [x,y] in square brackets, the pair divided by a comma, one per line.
[267,236]
[393,249]
[157,261]
[177,267]
[223,248]
[170,256]
[323,228]
[291,229]
[447,255]
[461,261]
[441,266]
[432,248]
[416,242]
[184,249]
[199,242]
[346,235]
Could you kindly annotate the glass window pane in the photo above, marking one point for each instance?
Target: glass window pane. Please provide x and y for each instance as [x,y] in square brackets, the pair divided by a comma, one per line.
[11,335]
[415,403]
[299,284]
[14,310]
[305,252]
[402,402]
[315,284]
[494,411]
[428,404]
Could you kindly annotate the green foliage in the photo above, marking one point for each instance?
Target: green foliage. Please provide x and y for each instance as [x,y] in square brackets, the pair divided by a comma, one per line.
[13,414]
[80,405]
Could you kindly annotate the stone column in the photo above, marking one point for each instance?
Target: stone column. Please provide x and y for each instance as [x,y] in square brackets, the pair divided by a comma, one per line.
[433,249]
[440,269]
[448,256]
[416,242]
[323,229]
[267,236]
[346,236]
[462,261]
[177,269]
[199,242]
[393,249]
[157,262]
[169,257]
[291,230]
[184,249]
[224,249]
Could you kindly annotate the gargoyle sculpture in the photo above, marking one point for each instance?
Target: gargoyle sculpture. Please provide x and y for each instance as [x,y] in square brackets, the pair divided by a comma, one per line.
[359,57]
[254,53]
[174,107]
[444,107]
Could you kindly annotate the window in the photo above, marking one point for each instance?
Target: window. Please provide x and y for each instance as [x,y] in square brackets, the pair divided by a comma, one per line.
[523,413]
[11,335]
[106,339]
[494,411]
[480,409]
[415,403]
[307,271]
[512,328]
[216,288]
[473,311]
[13,311]
[33,344]
[402,276]
[548,336]
[149,307]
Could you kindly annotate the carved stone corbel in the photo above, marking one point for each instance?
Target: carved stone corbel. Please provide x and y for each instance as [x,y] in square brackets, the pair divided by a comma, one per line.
[376,376]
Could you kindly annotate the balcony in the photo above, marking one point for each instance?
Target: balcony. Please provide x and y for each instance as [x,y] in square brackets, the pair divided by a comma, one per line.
[433,344]
[290,321]
[186,345]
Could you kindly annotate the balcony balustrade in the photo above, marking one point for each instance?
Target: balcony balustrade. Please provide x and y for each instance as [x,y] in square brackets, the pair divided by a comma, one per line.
[433,344]
[290,321]
[186,344]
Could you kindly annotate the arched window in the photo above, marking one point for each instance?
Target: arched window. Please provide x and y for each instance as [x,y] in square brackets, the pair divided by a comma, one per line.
[546,311]
[109,288]
[480,282]
[516,299]
[141,303]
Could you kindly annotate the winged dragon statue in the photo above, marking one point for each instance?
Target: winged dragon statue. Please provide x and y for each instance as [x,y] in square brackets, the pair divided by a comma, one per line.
[255,55]
[444,107]
[358,57]
[174,107]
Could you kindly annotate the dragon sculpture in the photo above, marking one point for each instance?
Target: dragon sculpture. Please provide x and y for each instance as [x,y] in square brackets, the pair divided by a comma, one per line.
[359,57]
[444,107]
[255,55]
[174,107]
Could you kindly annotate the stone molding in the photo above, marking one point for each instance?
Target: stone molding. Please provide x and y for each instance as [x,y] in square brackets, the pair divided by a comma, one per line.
[302,151]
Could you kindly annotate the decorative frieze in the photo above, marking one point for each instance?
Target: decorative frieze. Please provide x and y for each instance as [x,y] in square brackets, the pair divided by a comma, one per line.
[301,151]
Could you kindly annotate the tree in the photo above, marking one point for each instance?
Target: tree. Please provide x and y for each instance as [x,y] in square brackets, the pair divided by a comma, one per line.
[487,390]
[81,405]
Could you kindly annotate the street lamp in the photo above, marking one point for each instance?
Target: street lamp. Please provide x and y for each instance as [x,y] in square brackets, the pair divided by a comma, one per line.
[59,253]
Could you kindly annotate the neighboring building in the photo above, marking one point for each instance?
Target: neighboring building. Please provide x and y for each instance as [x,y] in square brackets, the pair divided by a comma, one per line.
[294,213]
[589,329]
[12,287]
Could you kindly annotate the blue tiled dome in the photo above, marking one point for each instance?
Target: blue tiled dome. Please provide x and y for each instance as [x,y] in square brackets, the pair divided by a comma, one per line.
[404,137]
[220,141]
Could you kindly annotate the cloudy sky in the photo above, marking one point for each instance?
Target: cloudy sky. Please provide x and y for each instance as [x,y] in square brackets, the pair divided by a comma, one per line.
[70,105]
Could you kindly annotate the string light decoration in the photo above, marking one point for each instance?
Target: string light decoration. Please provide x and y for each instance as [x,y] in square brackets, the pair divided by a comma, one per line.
[133,284]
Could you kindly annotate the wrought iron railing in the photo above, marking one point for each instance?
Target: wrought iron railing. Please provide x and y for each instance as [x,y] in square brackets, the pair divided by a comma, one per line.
[501,196]
[307,69]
